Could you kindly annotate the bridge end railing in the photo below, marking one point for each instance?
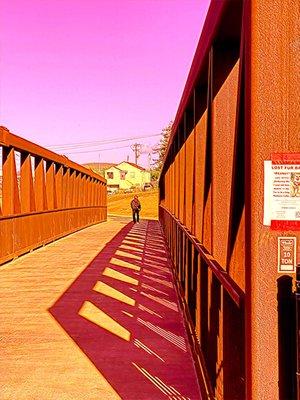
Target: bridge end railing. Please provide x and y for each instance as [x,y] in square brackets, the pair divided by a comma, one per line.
[43,196]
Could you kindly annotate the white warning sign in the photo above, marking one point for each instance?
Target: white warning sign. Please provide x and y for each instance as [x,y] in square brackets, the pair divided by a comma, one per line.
[282,193]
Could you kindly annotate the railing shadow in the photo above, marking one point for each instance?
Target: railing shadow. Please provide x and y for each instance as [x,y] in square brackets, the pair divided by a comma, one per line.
[123,313]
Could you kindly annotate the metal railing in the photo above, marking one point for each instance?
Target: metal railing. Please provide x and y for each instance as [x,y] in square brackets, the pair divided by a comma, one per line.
[43,196]
[202,202]
[215,306]
[238,112]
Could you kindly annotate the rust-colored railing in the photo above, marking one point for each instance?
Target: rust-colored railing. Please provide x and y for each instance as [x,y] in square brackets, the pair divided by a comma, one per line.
[203,218]
[239,108]
[216,309]
[43,196]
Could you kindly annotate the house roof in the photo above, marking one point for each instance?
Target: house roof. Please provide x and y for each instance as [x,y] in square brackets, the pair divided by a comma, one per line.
[133,165]
[105,166]
[115,167]
[96,165]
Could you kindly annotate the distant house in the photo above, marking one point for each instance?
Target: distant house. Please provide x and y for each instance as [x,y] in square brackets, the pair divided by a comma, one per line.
[99,167]
[126,175]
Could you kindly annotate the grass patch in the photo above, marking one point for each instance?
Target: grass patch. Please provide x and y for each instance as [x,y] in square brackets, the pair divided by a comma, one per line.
[119,204]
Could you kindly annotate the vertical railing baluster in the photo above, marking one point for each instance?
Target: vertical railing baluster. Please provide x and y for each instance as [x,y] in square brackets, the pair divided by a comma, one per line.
[72,188]
[40,185]
[50,186]
[66,187]
[27,195]
[10,192]
[59,185]
[76,189]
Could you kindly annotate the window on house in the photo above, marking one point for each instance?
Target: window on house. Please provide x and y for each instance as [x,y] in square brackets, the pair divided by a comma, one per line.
[110,175]
[132,174]
[123,175]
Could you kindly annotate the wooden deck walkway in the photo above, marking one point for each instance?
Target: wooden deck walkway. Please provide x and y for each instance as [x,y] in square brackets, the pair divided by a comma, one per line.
[95,315]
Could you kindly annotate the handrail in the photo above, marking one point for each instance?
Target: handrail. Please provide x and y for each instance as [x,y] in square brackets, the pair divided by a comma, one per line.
[8,139]
[235,292]
[44,196]
[55,210]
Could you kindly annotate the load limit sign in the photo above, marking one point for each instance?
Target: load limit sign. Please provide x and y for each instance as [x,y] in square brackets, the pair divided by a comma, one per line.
[286,254]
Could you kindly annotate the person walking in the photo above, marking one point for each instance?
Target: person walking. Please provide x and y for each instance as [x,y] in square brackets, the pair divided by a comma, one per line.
[136,208]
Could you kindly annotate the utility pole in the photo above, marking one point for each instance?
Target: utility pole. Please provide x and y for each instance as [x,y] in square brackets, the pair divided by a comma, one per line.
[136,147]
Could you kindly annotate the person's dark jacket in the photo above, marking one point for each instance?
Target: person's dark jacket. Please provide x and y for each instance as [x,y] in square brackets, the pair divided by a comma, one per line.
[135,205]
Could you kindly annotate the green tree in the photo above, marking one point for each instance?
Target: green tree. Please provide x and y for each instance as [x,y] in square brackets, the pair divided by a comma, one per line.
[160,151]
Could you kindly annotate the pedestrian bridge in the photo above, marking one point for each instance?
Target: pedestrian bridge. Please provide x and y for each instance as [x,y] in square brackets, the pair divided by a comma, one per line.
[96,315]
[198,305]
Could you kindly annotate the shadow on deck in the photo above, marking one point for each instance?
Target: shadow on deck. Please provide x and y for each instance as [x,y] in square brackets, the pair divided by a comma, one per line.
[123,313]
[95,315]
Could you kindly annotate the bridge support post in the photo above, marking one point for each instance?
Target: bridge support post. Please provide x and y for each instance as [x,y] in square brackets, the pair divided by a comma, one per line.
[272,106]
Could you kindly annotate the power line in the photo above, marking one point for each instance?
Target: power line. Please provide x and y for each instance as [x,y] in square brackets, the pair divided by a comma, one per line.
[95,150]
[78,145]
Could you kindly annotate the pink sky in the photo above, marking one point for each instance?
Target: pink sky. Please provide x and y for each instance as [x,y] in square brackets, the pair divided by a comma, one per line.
[92,70]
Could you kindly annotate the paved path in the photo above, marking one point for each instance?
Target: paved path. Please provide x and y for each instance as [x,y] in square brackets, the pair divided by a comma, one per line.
[94,316]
